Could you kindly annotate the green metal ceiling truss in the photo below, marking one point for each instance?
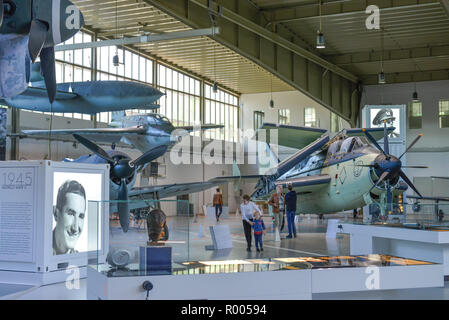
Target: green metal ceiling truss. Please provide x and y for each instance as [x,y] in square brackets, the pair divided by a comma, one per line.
[242,31]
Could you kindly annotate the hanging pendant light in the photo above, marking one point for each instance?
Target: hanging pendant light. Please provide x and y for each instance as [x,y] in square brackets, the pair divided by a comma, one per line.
[381,76]
[320,41]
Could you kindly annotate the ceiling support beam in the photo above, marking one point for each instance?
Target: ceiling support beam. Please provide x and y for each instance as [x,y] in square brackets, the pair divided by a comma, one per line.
[391,55]
[403,77]
[142,39]
[241,32]
[330,9]
[445,5]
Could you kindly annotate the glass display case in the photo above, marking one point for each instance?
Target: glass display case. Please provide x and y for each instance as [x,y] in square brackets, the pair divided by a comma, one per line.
[158,231]
[421,214]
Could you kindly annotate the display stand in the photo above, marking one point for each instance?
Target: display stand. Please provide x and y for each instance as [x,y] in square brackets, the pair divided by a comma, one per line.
[404,242]
[28,197]
[221,237]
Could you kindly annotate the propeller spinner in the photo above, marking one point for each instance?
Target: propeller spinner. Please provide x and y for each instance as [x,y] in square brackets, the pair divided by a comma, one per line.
[121,170]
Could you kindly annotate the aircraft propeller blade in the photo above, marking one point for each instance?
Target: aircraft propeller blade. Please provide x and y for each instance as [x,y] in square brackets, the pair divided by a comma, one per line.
[407,180]
[122,206]
[415,167]
[49,72]
[1,13]
[381,179]
[411,145]
[94,148]
[386,142]
[38,35]
[389,196]
[373,141]
[149,156]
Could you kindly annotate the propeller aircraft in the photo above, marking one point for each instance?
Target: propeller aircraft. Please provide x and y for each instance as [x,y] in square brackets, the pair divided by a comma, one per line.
[346,172]
[123,176]
[142,131]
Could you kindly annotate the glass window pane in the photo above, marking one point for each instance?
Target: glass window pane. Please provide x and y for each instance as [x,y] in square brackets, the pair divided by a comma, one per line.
[180,82]
[162,76]
[142,69]
[135,63]
[78,75]
[175,80]
[149,77]
[68,73]
[128,64]
[169,78]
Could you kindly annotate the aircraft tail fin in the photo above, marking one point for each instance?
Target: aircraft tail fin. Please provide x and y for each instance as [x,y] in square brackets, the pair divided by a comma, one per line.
[117,116]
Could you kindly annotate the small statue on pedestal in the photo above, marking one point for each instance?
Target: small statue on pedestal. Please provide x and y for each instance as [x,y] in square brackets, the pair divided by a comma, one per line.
[157,227]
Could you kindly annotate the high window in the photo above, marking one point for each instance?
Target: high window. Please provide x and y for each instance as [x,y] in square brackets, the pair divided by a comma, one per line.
[415,115]
[310,117]
[444,113]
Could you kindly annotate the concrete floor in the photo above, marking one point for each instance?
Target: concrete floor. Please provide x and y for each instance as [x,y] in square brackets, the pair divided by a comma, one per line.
[190,238]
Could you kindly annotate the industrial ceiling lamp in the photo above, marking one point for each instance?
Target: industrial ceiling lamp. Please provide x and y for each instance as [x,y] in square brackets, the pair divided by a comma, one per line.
[320,42]
[271,92]
[415,95]
[381,76]
[115,58]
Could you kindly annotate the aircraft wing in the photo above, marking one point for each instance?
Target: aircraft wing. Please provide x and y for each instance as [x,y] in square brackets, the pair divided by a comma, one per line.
[306,184]
[171,190]
[377,133]
[202,127]
[292,136]
[429,198]
[98,134]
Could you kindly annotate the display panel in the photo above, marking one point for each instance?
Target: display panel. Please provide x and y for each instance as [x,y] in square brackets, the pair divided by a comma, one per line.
[71,193]
[377,115]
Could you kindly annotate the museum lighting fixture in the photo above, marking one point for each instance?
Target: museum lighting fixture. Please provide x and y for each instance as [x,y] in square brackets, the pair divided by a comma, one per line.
[320,42]
[381,77]
[215,87]
[415,95]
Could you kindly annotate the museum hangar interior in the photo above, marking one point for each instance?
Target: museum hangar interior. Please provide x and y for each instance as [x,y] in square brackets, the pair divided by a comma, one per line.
[135,112]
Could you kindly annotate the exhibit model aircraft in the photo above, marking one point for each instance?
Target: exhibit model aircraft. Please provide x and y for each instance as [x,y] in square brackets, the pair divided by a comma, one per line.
[30,29]
[346,172]
[142,131]
[123,176]
[88,97]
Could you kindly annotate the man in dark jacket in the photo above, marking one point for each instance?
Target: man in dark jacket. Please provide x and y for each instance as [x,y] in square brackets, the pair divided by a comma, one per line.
[290,201]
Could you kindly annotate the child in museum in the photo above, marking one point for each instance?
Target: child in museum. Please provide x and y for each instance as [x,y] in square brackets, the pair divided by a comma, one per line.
[259,230]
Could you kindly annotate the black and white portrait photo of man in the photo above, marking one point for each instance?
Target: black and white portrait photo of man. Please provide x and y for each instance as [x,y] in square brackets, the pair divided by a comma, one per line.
[69,214]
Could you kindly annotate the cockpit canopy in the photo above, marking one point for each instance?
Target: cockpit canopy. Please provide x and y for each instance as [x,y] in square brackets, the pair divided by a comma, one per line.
[341,147]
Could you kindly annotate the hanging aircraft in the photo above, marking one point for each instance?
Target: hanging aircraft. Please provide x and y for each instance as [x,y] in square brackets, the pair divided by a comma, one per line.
[142,131]
[89,97]
[30,29]
[346,172]
[123,176]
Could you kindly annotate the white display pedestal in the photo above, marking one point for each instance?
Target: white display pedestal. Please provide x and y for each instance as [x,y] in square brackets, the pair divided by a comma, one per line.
[278,285]
[432,246]
[331,231]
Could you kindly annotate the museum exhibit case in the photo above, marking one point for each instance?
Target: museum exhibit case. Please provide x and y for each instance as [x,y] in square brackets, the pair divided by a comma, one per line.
[421,232]
[154,260]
